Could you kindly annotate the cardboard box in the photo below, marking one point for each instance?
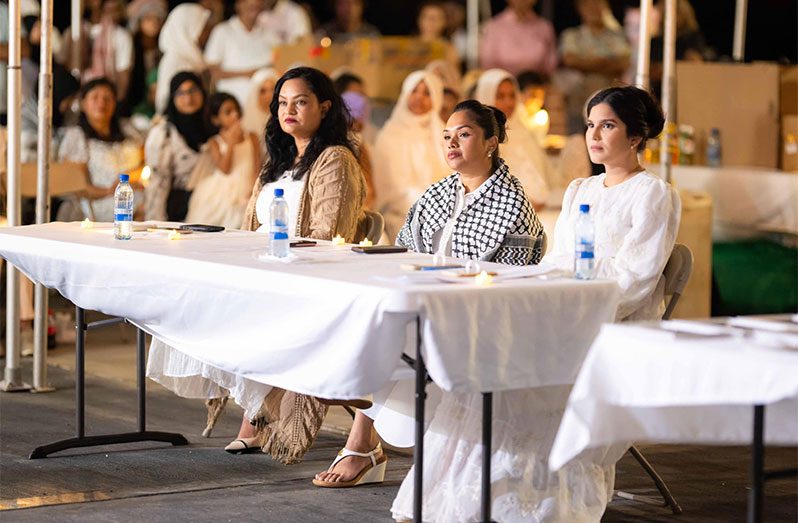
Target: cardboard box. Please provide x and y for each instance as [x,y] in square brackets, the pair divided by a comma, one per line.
[65,178]
[788,103]
[383,63]
[742,100]
[789,143]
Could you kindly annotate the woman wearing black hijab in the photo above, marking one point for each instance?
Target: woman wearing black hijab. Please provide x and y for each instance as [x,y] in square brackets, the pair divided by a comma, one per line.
[173,149]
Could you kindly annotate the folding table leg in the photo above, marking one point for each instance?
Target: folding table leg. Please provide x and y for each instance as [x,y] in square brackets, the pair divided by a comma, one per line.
[757,467]
[80,439]
[418,455]
[487,436]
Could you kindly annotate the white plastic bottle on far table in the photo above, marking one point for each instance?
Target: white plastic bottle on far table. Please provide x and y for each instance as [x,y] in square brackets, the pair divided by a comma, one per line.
[584,235]
[278,225]
[123,209]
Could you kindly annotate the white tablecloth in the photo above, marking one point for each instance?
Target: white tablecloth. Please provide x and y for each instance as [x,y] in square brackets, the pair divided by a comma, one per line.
[331,324]
[642,384]
[746,201]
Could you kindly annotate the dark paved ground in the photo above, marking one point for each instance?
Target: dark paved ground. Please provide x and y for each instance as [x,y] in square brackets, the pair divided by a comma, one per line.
[154,482]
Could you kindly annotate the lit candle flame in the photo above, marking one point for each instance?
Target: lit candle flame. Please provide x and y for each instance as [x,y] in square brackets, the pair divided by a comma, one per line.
[174,235]
[338,240]
[365,243]
[483,278]
[86,224]
[146,172]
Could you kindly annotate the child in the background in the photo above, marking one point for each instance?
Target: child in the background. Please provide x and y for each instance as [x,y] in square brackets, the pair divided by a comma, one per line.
[221,197]
[360,110]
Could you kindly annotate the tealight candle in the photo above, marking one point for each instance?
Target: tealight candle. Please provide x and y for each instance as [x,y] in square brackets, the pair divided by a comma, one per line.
[483,278]
[86,224]
[338,241]
[174,235]
[365,243]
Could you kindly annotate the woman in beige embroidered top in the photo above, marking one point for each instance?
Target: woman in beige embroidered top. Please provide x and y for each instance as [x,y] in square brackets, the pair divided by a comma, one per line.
[311,159]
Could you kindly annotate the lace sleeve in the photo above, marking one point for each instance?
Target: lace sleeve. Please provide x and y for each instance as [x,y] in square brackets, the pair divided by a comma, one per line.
[74,146]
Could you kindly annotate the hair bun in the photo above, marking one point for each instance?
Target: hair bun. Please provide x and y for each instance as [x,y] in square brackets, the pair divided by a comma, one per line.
[655,119]
[501,122]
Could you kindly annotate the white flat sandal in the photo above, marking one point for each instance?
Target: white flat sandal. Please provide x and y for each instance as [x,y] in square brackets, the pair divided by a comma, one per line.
[371,473]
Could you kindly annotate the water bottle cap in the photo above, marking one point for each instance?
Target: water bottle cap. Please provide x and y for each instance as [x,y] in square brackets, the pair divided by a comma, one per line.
[278,193]
[583,207]
[280,235]
[124,177]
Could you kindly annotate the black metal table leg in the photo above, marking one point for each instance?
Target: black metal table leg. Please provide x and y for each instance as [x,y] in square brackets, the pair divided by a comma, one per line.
[80,439]
[757,467]
[418,455]
[141,379]
[487,436]
[80,373]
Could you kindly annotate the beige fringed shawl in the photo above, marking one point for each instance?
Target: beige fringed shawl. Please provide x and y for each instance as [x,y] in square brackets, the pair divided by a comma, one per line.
[331,203]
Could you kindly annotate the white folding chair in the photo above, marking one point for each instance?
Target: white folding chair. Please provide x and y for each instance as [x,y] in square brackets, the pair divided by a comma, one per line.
[676,273]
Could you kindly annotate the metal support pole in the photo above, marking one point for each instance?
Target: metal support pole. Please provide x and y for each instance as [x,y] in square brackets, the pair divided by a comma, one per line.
[472,34]
[740,22]
[487,436]
[418,455]
[76,35]
[668,84]
[13,373]
[644,46]
[757,467]
[141,379]
[43,192]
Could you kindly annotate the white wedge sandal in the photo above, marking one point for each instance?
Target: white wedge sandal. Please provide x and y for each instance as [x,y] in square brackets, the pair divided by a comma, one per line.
[372,473]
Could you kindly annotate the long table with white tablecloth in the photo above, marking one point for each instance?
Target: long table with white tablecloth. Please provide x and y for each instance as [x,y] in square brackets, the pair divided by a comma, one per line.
[324,323]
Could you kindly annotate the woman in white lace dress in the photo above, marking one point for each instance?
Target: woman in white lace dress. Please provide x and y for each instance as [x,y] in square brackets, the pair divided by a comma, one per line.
[636,220]
[106,146]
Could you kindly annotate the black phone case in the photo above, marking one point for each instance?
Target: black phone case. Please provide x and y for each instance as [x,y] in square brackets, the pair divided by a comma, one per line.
[379,249]
[199,227]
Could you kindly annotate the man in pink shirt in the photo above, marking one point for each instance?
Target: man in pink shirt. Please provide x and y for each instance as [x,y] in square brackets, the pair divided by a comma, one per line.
[518,40]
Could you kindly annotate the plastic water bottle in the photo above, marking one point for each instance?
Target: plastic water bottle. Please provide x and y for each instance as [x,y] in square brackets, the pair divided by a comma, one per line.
[713,148]
[278,225]
[584,234]
[123,209]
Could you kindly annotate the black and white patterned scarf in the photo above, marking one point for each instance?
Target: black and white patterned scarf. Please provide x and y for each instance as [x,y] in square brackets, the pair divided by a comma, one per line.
[500,225]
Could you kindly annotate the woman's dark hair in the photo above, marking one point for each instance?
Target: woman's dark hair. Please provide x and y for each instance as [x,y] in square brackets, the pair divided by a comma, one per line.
[116,129]
[430,3]
[343,82]
[215,102]
[636,108]
[192,127]
[491,120]
[333,130]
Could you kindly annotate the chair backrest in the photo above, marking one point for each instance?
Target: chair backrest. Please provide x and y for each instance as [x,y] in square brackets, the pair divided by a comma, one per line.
[376,224]
[677,273]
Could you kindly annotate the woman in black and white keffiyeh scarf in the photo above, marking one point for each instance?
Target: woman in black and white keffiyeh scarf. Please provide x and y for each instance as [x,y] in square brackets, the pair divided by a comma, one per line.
[499,226]
[495,221]
[478,212]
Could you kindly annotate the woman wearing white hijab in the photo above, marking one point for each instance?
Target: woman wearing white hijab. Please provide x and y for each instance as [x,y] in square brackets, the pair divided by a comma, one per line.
[256,106]
[525,157]
[180,42]
[408,156]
